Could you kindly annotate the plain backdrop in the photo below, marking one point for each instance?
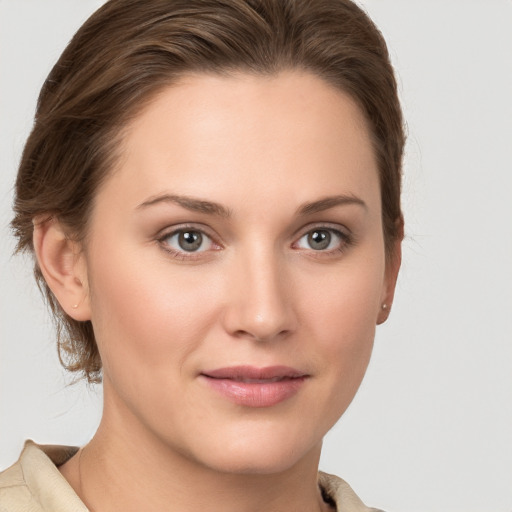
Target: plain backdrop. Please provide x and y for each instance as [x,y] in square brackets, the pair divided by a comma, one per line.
[431,427]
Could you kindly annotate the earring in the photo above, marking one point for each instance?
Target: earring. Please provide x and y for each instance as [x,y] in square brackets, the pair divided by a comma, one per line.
[384,306]
[74,306]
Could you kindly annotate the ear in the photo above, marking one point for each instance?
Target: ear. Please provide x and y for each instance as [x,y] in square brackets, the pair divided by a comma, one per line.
[393,262]
[63,267]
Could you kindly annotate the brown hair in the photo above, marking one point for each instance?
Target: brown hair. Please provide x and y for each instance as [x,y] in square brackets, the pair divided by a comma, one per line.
[129,50]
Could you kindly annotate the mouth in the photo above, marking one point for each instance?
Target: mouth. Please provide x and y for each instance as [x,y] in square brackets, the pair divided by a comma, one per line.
[255,387]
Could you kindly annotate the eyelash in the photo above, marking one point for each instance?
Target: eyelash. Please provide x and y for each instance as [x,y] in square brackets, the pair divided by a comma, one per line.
[345,241]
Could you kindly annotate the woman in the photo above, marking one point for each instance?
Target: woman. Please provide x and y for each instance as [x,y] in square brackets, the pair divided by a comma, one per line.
[212,193]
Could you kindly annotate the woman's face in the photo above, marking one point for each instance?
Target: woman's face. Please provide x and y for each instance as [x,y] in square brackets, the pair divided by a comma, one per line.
[236,269]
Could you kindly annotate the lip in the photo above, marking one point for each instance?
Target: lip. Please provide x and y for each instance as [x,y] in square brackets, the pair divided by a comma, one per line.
[255,387]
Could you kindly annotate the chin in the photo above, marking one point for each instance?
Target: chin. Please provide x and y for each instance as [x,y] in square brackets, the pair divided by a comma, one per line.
[264,463]
[264,455]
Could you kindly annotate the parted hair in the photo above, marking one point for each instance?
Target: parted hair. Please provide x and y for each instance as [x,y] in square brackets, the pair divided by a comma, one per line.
[129,50]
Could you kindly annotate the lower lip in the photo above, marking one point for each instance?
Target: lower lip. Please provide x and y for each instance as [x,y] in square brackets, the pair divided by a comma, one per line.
[256,394]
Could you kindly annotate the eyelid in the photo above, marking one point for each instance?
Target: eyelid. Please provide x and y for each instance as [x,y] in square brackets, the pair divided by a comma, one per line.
[331,226]
[192,226]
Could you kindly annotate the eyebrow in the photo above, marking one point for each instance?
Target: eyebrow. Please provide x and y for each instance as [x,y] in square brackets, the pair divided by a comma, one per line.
[330,202]
[212,208]
[190,203]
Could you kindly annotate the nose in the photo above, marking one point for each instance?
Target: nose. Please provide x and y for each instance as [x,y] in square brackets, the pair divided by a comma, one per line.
[260,305]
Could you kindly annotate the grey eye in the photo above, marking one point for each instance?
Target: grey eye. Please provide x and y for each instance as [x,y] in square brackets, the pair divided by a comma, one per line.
[319,239]
[188,240]
[322,239]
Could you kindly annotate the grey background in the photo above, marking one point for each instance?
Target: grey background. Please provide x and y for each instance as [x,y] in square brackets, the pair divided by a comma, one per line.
[431,428]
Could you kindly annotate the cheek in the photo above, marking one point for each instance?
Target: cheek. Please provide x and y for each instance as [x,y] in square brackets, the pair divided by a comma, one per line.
[343,312]
[347,341]
[146,315]
[345,305]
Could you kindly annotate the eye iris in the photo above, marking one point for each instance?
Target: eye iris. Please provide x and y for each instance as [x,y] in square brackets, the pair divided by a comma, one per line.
[190,240]
[319,239]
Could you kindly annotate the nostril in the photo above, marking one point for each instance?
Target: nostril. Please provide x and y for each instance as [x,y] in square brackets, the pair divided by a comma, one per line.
[261,336]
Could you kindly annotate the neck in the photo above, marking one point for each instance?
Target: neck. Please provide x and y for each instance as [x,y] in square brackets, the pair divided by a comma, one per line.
[126,468]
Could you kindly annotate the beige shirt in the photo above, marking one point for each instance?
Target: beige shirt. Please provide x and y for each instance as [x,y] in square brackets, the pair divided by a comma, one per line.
[34,484]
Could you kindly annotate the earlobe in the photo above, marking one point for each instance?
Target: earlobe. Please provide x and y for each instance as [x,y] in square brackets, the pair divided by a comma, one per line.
[383,313]
[391,275]
[63,267]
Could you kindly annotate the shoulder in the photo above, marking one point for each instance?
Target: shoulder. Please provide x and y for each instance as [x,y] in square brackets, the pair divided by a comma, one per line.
[341,494]
[34,483]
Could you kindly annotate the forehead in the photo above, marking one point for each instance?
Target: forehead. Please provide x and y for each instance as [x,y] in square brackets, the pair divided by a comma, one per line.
[247,134]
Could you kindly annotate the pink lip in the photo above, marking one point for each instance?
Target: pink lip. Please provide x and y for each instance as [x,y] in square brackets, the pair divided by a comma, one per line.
[255,387]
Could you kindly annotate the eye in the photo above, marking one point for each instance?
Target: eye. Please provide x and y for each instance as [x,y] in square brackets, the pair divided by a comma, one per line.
[323,239]
[187,241]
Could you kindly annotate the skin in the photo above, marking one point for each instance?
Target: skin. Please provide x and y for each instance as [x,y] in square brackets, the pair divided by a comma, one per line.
[256,293]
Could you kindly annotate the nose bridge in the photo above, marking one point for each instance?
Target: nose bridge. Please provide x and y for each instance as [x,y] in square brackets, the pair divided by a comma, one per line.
[261,308]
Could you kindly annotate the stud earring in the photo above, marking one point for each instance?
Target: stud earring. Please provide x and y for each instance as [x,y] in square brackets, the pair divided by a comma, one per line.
[384,306]
[74,306]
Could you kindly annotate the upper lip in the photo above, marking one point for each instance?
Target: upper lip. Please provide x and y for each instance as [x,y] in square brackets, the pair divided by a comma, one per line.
[252,373]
